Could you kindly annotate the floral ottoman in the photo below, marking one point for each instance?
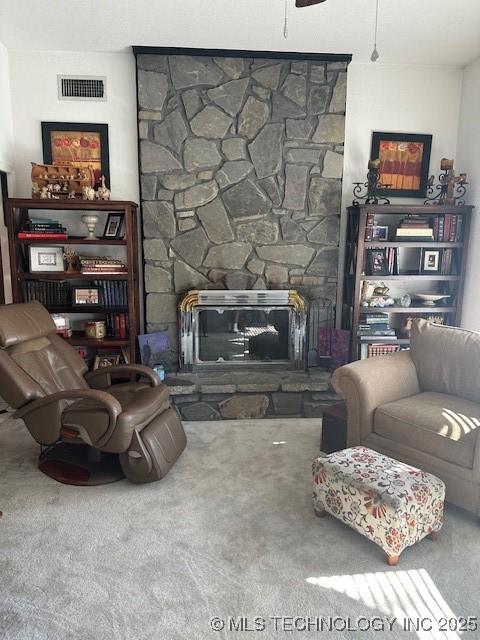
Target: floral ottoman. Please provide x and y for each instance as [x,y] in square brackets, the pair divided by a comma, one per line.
[389,502]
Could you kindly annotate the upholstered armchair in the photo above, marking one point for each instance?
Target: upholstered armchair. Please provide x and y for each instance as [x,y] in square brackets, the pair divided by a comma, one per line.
[76,414]
[422,406]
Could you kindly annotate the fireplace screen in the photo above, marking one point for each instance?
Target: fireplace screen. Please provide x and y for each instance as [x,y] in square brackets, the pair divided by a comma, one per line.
[239,335]
[228,328]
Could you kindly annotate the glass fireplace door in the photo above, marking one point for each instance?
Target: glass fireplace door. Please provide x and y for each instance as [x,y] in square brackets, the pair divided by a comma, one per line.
[242,334]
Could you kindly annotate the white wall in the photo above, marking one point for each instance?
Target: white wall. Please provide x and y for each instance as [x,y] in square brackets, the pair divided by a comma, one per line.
[6,127]
[468,159]
[33,80]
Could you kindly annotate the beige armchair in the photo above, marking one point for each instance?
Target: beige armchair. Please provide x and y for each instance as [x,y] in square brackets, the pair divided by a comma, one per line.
[422,406]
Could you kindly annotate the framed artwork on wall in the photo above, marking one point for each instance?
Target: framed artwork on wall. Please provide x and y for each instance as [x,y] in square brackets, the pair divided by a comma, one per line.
[77,144]
[404,162]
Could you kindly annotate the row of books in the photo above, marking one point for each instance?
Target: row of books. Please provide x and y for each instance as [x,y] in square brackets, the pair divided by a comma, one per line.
[53,294]
[375,325]
[414,227]
[94,265]
[117,325]
[42,229]
[448,228]
[113,293]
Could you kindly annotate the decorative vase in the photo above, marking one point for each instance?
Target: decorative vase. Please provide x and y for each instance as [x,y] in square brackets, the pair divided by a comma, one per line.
[90,222]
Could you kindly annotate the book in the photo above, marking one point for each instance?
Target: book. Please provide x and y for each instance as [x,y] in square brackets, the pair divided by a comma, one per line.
[27,235]
[415,232]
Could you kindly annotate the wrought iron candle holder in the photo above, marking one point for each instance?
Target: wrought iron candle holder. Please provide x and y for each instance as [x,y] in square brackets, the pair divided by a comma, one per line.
[450,190]
[369,191]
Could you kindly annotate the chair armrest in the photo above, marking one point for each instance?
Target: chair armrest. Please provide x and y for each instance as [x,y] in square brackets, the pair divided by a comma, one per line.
[111,404]
[102,378]
[367,384]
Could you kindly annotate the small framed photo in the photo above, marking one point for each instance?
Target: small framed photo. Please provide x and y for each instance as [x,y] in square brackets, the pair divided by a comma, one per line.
[430,262]
[113,228]
[85,296]
[46,259]
[106,361]
[380,233]
[377,262]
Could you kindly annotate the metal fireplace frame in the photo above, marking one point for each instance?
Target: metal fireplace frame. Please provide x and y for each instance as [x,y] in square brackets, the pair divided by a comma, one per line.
[266,299]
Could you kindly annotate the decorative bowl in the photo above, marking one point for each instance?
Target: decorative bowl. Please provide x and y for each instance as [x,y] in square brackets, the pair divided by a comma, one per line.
[429,299]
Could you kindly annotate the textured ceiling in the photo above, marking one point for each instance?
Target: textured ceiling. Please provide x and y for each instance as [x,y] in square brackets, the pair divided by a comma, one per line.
[410,31]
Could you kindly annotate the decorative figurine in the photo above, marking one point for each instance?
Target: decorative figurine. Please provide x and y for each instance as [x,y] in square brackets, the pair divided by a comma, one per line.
[103,192]
[372,185]
[90,221]
[88,193]
[70,258]
[44,193]
[450,189]
[35,190]
[71,195]
[405,300]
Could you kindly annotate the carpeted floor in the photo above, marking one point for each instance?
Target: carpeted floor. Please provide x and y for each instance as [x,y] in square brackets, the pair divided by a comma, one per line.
[230,533]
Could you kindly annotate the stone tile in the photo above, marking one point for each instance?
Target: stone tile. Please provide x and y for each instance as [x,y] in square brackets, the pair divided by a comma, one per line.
[330,130]
[339,97]
[187,278]
[237,280]
[318,99]
[295,89]
[161,308]
[200,194]
[287,403]
[230,96]
[148,187]
[325,262]
[291,231]
[297,254]
[171,132]
[199,411]
[177,182]
[152,62]
[158,219]
[214,219]
[234,148]
[231,255]
[276,275]
[285,108]
[326,231]
[242,407]
[258,231]
[200,153]
[304,156]
[256,266]
[233,67]
[211,122]
[217,388]
[157,279]
[191,246]
[324,196]
[232,172]
[155,249]
[332,165]
[299,129]
[246,200]
[268,76]
[253,117]
[191,102]
[272,189]
[296,187]
[157,159]
[190,71]
[266,150]
[152,89]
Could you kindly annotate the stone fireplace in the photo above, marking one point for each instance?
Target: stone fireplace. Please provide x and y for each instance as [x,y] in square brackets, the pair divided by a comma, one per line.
[241,163]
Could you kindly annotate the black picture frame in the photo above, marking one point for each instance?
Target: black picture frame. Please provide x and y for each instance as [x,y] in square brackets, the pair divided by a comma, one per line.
[114,218]
[430,261]
[379,137]
[85,127]
[96,303]
[377,262]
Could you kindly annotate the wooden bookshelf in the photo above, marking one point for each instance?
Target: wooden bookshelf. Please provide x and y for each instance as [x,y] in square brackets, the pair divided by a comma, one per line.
[17,209]
[355,273]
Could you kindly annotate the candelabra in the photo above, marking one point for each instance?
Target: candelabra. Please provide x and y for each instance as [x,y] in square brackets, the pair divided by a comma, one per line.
[369,191]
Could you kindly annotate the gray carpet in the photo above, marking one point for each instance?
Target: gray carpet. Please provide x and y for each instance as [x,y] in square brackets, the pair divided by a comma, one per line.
[230,532]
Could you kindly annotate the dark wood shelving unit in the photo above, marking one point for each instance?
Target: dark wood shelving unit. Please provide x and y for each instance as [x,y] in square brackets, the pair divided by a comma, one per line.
[17,209]
[355,266]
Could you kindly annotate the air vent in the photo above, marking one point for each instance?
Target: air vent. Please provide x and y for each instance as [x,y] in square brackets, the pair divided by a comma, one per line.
[82,88]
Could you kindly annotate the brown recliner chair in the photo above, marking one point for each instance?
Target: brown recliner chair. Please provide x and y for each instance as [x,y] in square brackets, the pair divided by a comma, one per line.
[82,413]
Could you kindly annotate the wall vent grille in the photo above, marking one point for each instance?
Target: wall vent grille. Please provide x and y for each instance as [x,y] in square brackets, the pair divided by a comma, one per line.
[82,88]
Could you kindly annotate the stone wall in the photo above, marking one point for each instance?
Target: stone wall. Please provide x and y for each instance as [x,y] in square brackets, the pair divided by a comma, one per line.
[241,166]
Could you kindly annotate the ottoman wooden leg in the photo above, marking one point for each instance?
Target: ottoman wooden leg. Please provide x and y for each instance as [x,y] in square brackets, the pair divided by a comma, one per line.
[393,560]
[320,513]
[433,535]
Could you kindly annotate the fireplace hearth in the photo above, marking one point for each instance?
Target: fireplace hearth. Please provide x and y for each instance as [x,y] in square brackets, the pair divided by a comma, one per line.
[225,330]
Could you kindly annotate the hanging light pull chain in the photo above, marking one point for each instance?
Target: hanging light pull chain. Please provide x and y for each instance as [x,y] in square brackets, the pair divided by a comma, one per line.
[285,21]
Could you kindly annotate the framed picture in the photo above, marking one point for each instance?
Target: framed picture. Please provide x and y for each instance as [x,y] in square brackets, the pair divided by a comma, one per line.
[377,262]
[152,347]
[113,227]
[106,361]
[430,262]
[85,296]
[77,144]
[404,162]
[380,233]
[46,259]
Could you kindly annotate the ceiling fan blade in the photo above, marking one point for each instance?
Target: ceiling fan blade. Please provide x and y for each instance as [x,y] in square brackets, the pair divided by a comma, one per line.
[307,3]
